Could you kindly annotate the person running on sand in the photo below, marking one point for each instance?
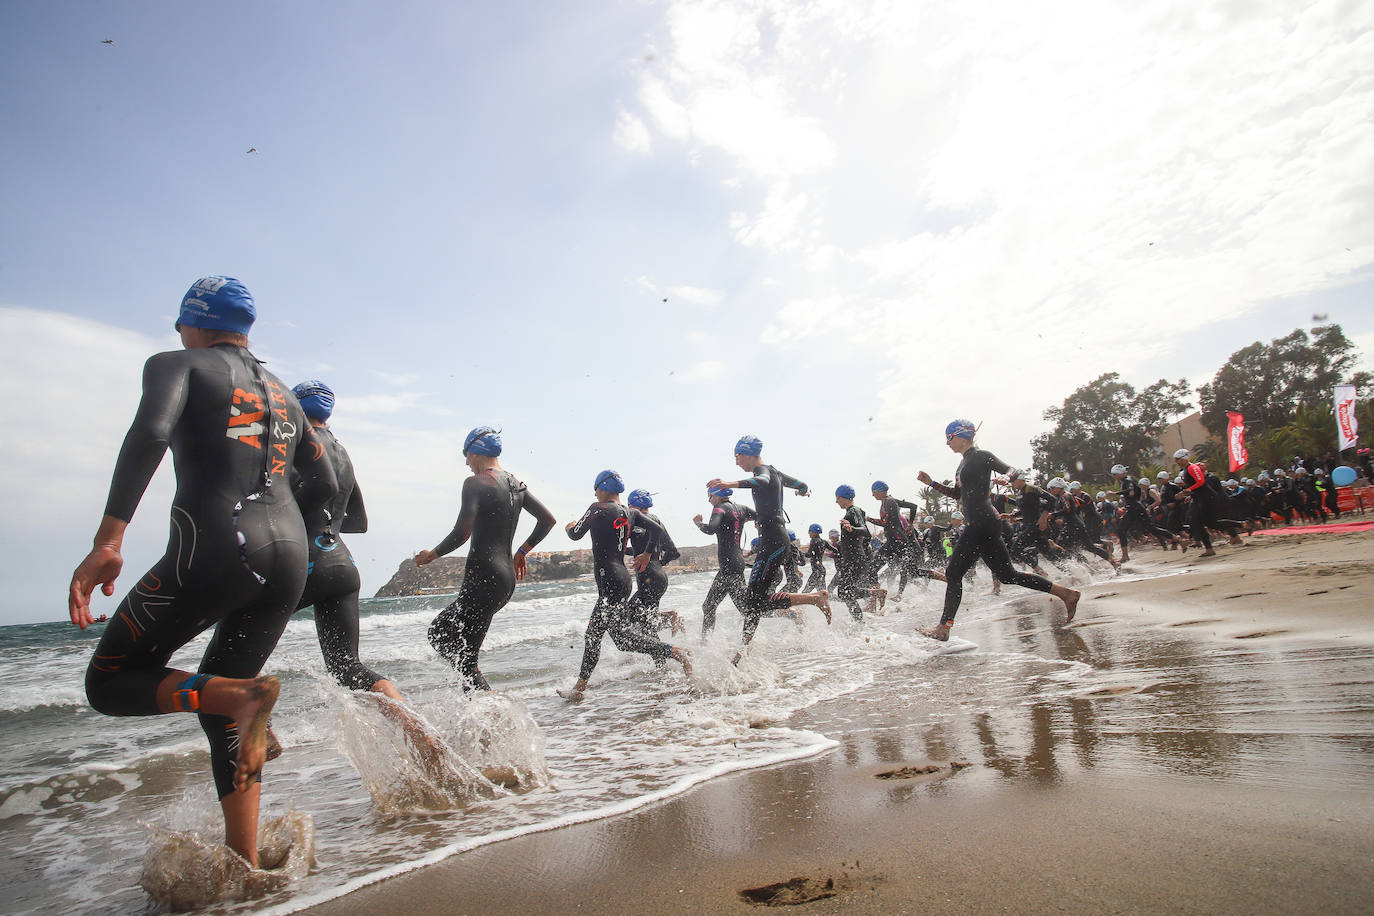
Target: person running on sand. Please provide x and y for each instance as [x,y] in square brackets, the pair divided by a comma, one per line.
[236,558]
[490,511]
[982,536]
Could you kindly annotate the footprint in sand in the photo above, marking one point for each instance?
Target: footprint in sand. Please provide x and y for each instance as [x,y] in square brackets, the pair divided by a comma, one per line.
[1193,623]
[1096,622]
[1244,595]
[1261,634]
[793,892]
[1104,595]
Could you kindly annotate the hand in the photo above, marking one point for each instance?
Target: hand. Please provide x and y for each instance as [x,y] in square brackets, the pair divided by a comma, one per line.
[697,518]
[641,562]
[101,567]
[425,557]
[716,483]
[519,561]
[924,478]
[803,490]
[846,526]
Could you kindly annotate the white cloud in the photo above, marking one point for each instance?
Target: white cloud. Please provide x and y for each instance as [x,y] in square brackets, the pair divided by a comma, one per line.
[706,370]
[631,134]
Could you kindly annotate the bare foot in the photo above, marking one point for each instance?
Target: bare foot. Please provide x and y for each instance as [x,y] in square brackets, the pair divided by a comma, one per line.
[939,632]
[938,575]
[735,661]
[273,745]
[571,695]
[258,699]
[1071,603]
[685,657]
[882,598]
[823,602]
[1209,552]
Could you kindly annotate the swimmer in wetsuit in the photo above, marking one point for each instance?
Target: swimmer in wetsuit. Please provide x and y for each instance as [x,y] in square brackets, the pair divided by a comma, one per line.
[816,552]
[792,577]
[610,524]
[855,579]
[236,556]
[488,515]
[895,549]
[982,536]
[766,485]
[727,523]
[651,581]
[332,583]
[1133,517]
[1202,509]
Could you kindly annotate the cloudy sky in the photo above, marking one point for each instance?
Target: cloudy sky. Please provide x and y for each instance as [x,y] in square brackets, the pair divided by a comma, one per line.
[628,232]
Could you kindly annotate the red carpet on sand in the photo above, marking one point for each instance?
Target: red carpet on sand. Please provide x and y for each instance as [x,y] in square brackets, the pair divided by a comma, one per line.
[1319,529]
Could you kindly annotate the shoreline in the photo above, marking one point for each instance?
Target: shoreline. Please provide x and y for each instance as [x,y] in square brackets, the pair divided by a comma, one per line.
[1126,834]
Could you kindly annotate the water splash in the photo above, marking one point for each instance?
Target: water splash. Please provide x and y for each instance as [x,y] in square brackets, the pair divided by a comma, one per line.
[187,869]
[499,736]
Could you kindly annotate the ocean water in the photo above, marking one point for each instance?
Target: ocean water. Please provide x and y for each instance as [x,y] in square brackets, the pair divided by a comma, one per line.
[86,800]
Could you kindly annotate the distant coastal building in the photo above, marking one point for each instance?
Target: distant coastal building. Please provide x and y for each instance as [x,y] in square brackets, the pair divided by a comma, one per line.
[1187,433]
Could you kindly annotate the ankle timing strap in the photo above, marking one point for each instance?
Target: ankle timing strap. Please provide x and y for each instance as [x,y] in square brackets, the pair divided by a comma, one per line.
[187,695]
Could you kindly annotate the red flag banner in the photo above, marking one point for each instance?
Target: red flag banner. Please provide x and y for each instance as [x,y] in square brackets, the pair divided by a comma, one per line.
[1235,440]
[1346,426]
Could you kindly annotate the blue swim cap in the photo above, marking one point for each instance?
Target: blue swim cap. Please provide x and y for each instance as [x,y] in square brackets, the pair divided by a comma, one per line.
[754,543]
[791,535]
[218,304]
[879,487]
[749,445]
[844,491]
[964,429]
[609,482]
[721,492]
[814,529]
[640,499]
[482,440]
[317,399]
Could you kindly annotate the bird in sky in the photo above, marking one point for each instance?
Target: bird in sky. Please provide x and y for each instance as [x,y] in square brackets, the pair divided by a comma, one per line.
[253,150]
[108,41]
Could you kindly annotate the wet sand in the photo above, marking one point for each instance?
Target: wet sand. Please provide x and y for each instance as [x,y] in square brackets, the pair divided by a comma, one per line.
[1220,759]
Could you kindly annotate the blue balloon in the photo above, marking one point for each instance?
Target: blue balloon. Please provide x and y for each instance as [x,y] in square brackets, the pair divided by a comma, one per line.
[1343,476]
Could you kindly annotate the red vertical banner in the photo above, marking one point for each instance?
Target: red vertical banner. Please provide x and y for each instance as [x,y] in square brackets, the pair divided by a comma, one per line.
[1235,440]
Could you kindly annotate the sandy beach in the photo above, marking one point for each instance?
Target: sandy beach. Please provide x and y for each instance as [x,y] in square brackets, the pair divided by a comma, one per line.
[1222,762]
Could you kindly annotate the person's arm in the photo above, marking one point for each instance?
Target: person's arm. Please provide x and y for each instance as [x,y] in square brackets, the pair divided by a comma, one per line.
[462,528]
[953,492]
[165,389]
[355,514]
[317,482]
[578,530]
[793,483]
[712,526]
[543,524]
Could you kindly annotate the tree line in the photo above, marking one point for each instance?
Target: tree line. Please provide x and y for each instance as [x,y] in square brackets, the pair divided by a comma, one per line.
[1283,388]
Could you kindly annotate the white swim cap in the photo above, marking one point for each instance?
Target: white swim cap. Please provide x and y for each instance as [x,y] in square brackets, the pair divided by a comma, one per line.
[1181,453]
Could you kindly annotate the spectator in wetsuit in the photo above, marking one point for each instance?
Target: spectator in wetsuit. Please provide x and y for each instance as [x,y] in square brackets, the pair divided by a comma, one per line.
[489,511]
[651,581]
[610,524]
[816,552]
[981,538]
[726,524]
[236,555]
[332,583]
[766,485]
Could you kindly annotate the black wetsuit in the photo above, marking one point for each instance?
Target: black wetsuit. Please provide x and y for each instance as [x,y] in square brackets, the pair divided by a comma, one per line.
[774,550]
[610,524]
[1135,517]
[816,552]
[490,511]
[236,556]
[726,523]
[652,581]
[792,568]
[981,536]
[332,582]
[855,579]
[1028,539]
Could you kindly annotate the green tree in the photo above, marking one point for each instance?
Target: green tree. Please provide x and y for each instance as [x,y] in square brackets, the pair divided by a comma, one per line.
[1266,382]
[1107,422]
